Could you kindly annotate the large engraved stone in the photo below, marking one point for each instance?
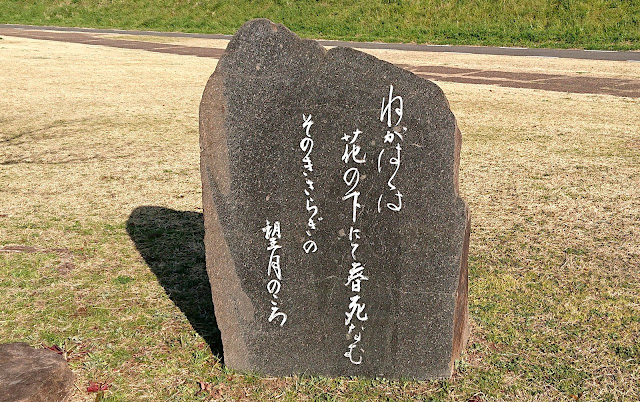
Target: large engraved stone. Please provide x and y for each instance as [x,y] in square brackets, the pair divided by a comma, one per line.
[335,237]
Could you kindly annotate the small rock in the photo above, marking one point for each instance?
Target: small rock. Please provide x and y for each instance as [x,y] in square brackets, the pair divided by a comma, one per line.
[28,374]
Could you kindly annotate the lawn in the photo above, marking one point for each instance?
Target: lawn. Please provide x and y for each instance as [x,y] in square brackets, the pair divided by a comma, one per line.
[101,231]
[587,24]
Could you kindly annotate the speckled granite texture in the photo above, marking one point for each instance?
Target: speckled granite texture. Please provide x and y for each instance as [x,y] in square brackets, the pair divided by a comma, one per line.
[380,146]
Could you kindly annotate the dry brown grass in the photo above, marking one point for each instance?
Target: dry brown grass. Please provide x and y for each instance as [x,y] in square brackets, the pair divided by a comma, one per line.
[80,124]
[88,134]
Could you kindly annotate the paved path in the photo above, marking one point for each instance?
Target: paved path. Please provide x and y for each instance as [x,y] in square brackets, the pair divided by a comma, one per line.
[549,82]
[501,51]
[546,82]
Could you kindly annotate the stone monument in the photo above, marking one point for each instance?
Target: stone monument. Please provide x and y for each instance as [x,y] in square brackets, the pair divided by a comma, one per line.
[336,241]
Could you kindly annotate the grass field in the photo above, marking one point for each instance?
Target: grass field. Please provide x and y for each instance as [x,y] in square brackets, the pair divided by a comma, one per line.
[590,24]
[101,232]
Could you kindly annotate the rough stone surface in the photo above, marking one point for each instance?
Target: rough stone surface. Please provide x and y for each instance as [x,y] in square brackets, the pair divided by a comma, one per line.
[409,302]
[33,375]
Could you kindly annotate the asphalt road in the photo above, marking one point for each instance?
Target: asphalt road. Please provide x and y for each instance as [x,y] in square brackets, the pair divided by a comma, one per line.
[503,51]
[542,81]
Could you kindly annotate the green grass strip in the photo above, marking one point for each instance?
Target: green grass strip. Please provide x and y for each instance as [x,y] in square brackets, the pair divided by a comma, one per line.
[589,24]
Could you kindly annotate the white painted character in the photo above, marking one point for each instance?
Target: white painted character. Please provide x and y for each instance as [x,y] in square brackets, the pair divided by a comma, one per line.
[349,354]
[356,309]
[387,108]
[277,314]
[356,276]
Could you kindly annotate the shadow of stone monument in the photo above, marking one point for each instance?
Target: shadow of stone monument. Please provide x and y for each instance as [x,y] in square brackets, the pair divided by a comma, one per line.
[172,244]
